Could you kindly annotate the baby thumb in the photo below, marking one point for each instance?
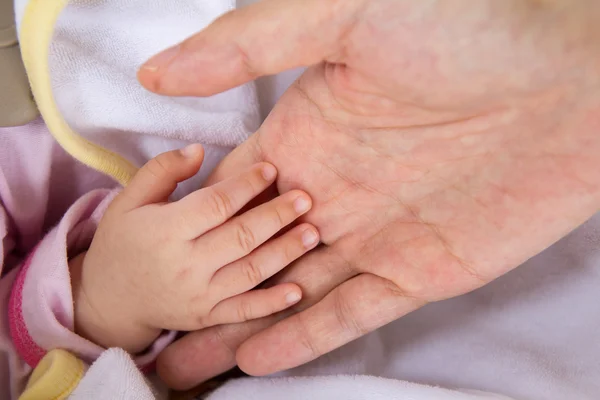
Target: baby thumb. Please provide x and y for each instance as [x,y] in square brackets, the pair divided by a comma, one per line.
[262,39]
[158,178]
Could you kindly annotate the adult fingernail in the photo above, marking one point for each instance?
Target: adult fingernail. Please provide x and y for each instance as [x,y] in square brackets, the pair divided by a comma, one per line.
[309,238]
[292,298]
[301,204]
[162,60]
[269,172]
[191,151]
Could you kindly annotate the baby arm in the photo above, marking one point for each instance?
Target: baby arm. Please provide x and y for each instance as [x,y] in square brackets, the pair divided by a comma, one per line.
[43,220]
[155,265]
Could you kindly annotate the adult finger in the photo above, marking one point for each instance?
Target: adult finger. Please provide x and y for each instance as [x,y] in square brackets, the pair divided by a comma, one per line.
[204,354]
[201,355]
[351,310]
[211,206]
[262,39]
[318,272]
[158,178]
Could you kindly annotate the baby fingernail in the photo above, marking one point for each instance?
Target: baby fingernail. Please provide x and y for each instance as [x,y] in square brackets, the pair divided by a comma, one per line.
[292,298]
[192,150]
[309,238]
[269,172]
[301,205]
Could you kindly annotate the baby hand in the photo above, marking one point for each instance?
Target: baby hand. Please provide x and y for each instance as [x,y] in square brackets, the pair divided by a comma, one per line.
[189,264]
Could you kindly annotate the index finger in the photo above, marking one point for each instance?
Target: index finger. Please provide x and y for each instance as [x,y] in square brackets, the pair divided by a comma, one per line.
[202,355]
[210,207]
[353,309]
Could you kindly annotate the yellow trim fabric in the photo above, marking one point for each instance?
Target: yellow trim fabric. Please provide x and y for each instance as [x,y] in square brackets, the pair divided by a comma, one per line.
[37,30]
[55,377]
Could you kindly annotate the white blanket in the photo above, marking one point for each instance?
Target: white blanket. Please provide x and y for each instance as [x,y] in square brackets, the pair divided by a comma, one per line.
[114,376]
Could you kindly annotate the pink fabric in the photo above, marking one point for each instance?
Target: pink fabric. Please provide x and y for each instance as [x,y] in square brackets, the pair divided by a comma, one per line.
[50,206]
[51,203]
[24,343]
[13,370]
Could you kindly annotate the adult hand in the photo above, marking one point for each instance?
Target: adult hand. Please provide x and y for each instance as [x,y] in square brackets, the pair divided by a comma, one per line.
[443,144]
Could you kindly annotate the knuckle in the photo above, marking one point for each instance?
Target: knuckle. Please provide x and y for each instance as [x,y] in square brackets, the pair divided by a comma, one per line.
[246,240]
[222,337]
[345,317]
[252,273]
[158,166]
[293,251]
[250,184]
[244,311]
[306,339]
[290,253]
[279,218]
[220,204]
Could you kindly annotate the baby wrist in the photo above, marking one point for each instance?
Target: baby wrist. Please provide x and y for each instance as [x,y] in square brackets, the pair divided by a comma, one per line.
[106,329]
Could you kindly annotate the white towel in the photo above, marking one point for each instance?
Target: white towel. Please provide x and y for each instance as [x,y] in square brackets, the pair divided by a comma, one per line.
[114,376]
[97,48]
[346,387]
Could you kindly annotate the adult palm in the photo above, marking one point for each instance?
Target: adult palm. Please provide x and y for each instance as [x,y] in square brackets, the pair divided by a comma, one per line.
[443,143]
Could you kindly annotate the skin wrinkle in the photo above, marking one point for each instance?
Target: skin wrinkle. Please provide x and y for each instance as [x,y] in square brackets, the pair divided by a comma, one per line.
[343,177]
[408,151]
[438,125]
[345,316]
[398,291]
[222,338]
[589,186]
[333,71]
[349,268]
[478,202]
[245,61]
[349,188]
[362,133]
[335,171]
[470,157]
[380,233]
[315,106]
[399,281]
[348,271]
[340,68]
[294,145]
[306,338]
[470,270]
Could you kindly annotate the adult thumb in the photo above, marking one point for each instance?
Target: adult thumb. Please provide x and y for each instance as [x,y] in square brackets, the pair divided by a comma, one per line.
[262,39]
